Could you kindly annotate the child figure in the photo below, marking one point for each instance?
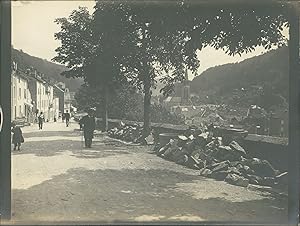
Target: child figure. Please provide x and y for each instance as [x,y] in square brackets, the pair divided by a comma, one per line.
[17,137]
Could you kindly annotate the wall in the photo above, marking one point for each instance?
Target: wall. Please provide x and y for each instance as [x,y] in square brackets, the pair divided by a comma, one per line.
[60,94]
[273,149]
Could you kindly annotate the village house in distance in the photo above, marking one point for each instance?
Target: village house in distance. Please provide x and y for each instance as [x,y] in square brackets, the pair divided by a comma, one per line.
[31,93]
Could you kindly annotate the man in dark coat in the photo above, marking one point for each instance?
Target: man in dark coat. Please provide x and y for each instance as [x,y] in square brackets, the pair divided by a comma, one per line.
[88,123]
[67,117]
[41,120]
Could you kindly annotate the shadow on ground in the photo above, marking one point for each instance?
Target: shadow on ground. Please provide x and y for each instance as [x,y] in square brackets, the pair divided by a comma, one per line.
[43,133]
[132,195]
[52,148]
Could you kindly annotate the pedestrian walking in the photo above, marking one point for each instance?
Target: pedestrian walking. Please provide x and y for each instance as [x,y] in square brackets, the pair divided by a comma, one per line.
[67,117]
[17,137]
[88,124]
[41,120]
[63,117]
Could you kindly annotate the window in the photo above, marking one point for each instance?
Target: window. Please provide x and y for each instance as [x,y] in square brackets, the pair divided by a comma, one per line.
[25,93]
[20,95]
[20,110]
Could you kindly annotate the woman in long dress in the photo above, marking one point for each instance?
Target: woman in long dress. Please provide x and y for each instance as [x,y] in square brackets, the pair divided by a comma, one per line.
[17,137]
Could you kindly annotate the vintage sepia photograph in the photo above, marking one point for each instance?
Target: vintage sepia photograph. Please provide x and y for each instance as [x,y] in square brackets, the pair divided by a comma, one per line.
[150,112]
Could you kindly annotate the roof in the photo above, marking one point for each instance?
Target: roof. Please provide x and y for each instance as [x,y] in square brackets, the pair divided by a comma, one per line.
[58,88]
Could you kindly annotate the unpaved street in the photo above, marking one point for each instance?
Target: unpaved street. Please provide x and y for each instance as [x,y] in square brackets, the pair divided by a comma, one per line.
[56,179]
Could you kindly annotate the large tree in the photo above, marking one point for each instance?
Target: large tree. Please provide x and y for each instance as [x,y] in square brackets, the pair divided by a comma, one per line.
[90,55]
[169,34]
[145,41]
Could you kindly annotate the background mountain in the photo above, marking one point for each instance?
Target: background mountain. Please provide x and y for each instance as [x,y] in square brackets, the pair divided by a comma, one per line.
[261,80]
[45,67]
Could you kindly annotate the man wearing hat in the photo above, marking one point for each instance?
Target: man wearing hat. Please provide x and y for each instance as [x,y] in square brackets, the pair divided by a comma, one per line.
[88,123]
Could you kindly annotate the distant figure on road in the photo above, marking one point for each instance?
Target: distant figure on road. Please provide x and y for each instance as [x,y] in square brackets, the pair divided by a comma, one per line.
[63,117]
[17,137]
[41,120]
[67,116]
[88,123]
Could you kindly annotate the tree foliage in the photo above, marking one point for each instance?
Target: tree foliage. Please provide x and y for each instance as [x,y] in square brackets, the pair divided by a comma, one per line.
[144,41]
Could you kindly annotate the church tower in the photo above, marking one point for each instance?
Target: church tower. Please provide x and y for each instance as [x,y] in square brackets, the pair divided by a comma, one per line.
[185,97]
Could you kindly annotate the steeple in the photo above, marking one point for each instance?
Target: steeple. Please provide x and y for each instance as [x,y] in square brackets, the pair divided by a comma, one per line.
[186,75]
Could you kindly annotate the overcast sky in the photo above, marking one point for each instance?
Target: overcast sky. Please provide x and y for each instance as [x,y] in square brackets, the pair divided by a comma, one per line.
[33,31]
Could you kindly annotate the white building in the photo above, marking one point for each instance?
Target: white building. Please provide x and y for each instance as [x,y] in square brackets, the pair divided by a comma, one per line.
[21,100]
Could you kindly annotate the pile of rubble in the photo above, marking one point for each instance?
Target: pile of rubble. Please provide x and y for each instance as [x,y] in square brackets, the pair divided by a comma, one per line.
[128,133]
[215,159]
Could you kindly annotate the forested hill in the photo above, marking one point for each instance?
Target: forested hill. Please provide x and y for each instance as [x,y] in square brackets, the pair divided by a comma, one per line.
[49,69]
[268,71]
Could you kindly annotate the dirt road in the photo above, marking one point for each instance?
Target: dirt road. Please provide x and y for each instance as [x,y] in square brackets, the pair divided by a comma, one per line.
[56,179]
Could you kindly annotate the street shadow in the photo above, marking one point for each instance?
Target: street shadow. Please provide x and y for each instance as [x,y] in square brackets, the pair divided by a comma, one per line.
[52,133]
[132,195]
[57,147]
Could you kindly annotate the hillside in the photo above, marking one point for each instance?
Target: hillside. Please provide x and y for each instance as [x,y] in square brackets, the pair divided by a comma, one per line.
[49,69]
[261,80]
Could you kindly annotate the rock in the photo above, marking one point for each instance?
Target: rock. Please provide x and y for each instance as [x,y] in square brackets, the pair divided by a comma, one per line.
[234,170]
[267,181]
[203,136]
[211,145]
[196,163]
[219,175]
[190,146]
[262,168]
[253,187]
[162,150]
[177,155]
[191,137]
[183,160]
[167,153]
[205,172]
[149,139]
[220,166]
[234,163]
[253,179]
[222,153]
[182,138]
[235,146]
[282,178]
[237,180]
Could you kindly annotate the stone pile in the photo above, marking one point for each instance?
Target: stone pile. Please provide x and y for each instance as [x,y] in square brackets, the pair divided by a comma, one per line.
[215,159]
[128,133]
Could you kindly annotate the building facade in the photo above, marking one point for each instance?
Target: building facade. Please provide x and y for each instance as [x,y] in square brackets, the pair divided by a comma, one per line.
[42,96]
[21,98]
[31,94]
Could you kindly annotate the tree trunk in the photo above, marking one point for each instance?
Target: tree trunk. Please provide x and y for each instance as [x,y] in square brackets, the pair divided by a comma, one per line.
[147,107]
[105,109]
